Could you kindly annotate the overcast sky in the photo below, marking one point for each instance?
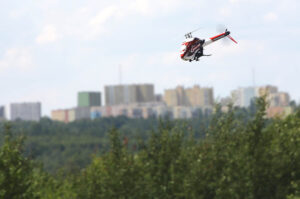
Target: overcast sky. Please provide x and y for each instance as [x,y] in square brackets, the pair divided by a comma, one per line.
[52,49]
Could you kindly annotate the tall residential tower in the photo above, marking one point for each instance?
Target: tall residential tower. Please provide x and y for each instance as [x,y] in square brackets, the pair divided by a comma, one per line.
[88,99]
[25,111]
[129,94]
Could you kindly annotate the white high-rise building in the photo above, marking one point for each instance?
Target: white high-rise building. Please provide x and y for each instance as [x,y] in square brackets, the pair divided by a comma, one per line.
[25,111]
[242,96]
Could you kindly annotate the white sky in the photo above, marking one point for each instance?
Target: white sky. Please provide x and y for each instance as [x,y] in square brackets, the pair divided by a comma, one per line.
[52,49]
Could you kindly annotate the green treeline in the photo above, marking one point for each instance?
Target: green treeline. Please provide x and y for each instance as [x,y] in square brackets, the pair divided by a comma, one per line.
[71,146]
[235,156]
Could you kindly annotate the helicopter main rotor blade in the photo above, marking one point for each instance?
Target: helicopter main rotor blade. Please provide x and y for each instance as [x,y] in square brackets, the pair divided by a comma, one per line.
[196,29]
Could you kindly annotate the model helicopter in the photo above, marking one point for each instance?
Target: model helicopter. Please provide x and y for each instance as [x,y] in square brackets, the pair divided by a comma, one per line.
[192,47]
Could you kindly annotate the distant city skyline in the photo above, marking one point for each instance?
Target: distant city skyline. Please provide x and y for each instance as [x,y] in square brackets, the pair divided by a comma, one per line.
[52,49]
[195,95]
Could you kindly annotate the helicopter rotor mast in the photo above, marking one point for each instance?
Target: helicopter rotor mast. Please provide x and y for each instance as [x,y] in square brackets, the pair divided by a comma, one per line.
[189,35]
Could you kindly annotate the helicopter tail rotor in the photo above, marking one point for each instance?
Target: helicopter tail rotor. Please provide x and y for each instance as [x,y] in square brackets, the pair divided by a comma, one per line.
[222,28]
[232,39]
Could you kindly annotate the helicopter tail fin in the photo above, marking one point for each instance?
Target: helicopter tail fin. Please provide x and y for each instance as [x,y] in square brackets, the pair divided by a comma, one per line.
[232,39]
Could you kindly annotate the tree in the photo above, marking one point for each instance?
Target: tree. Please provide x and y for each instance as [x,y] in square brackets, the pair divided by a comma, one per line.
[16,171]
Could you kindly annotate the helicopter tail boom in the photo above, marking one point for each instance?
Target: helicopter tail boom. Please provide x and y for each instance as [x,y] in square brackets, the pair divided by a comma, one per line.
[218,37]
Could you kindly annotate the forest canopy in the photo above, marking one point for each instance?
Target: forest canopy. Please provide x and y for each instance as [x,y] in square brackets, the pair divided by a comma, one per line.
[238,154]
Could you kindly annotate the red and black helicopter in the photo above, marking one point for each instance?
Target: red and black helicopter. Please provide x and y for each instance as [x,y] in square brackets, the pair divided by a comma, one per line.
[192,47]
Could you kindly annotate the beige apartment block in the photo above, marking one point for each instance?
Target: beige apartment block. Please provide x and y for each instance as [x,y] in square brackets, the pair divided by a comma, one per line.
[60,115]
[195,96]
[274,97]
[171,97]
[71,115]
[279,99]
[63,115]
[279,111]
[267,90]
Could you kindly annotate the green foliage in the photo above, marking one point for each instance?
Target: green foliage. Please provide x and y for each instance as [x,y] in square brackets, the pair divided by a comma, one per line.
[71,146]
[236,155]
[113,175]
[259,159]
[16,171]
